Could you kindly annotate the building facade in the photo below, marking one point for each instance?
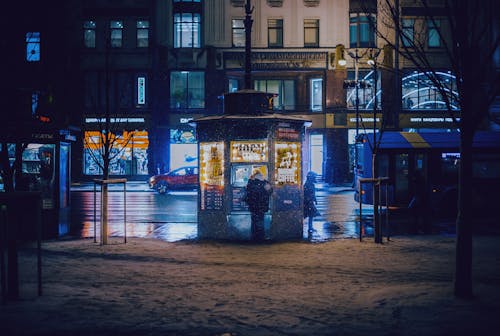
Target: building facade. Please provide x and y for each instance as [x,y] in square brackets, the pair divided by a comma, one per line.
[153,66]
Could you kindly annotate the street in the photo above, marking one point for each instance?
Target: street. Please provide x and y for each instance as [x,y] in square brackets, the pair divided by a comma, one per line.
[173,216]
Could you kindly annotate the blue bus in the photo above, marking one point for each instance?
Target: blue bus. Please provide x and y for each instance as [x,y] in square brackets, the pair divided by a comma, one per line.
[436,157]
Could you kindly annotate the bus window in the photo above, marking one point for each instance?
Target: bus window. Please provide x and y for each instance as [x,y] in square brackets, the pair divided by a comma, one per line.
[449,167]
[383,165]
[401,179]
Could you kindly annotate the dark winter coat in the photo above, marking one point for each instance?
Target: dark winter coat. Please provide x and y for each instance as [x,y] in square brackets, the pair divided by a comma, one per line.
[257,197]
[310,209]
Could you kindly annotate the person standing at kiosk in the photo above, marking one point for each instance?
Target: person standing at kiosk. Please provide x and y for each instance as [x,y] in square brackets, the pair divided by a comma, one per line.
[310,201]
[258,191]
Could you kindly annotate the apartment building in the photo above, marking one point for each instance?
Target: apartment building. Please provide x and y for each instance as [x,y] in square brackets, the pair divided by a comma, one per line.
[154,66]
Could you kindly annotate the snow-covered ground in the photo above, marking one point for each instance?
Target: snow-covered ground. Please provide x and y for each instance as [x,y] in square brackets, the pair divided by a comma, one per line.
[340,287]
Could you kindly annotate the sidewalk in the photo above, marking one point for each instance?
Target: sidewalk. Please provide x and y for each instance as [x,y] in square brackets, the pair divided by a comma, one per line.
[344,287]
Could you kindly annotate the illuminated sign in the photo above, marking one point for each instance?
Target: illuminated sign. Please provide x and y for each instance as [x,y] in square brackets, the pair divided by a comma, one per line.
[212,163]
[141,90]
[287,162]
[249,151]
[211,175]
[101,120]
[287,133]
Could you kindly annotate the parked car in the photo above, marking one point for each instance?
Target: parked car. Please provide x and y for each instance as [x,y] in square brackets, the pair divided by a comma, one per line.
[180,178]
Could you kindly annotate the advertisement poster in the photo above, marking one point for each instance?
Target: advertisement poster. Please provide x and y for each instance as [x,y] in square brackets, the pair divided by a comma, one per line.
[183,149]
[287,162]
[211,175]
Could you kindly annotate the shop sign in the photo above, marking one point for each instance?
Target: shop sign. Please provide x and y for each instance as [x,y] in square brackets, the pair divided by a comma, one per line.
[287,133]
[365,120]
[278,60]
[249,151]
[427,120]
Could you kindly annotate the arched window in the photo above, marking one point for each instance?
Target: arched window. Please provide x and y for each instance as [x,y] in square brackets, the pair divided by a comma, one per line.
[419,92]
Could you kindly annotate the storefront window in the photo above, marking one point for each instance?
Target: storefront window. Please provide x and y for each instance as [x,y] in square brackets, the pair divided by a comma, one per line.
[38,171]
[128,156]
[366,90]
[285,90]
[419,92]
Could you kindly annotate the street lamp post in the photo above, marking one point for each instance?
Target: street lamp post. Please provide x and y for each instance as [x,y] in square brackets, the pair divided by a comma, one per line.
[356,84]
[372,61]
[248,44]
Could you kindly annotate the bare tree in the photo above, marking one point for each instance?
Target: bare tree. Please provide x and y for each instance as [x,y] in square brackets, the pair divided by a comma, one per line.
[107,146]
[468,36]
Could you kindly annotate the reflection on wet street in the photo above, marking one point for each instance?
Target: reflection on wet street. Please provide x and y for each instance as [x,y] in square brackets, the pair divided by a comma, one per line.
[173,217]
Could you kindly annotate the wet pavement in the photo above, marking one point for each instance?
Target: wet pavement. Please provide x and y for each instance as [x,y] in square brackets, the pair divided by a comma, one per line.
[173,217]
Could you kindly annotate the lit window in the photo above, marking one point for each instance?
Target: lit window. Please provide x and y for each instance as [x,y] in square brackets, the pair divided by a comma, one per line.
[316,94]
[408,32]
[238,26]
[187,21]
[142,34]
[187,30]
[33,47]
[433,39]
[116,33]
[89,28]
[366,90]
[233,85]
[311,33]
[275,33]
[284,89]
[187,89]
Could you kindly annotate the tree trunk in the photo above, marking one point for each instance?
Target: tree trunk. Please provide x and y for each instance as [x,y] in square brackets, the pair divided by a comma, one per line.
[376,200]
[463,267]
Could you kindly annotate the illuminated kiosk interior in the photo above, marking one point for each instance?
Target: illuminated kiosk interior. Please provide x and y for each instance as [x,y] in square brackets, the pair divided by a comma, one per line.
[246,137]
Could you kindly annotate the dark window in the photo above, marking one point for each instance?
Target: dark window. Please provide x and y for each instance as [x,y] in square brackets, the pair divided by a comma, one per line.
[187,89]
[362,30]
[116,33]
[89,34]
[142,33]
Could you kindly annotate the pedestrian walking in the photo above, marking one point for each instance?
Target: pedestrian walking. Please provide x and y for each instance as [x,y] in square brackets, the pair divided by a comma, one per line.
[310,201]
[258,191]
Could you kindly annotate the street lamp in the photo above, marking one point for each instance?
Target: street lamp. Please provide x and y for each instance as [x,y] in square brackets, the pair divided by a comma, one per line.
[356,84]
[372,61]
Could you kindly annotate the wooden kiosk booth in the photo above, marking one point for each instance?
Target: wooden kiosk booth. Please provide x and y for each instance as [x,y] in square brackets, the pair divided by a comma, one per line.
[246,137]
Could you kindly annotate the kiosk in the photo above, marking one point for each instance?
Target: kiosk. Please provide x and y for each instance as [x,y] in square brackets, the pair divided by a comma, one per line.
[246,137]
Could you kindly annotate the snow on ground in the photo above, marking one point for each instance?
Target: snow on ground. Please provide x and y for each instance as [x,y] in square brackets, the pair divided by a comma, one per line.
[340,287]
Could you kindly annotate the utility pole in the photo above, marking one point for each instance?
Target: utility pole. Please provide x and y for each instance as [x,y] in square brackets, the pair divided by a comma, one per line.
[248,45]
